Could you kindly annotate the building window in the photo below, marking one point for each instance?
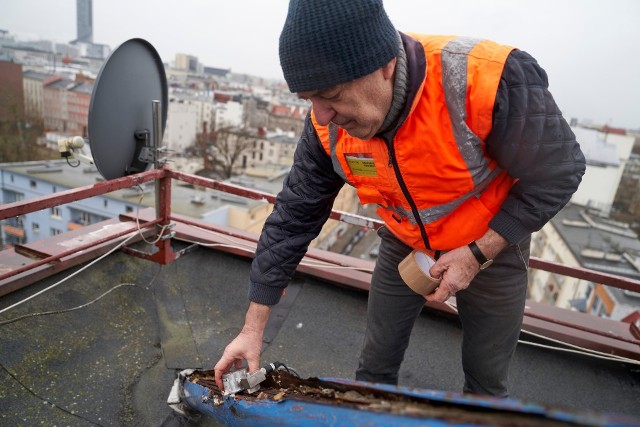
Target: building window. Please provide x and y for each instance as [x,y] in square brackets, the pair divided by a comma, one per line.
[56,212]
[18,197]
[597,309]
[128,209]
[85,218]
[33,184]
[105,203]
[14,240]
[55,231]
[35,227]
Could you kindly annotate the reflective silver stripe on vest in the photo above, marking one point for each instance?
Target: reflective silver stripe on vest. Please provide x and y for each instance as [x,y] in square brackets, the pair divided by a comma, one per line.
[454,59]
[433,214]
[333,143]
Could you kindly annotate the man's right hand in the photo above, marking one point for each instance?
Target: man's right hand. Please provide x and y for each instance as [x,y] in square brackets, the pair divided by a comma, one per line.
[247,345]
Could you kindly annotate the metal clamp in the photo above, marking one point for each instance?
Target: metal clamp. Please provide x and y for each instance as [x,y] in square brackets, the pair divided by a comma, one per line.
[237,381]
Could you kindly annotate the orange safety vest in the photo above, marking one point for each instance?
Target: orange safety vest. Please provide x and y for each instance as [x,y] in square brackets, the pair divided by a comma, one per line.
[437,166]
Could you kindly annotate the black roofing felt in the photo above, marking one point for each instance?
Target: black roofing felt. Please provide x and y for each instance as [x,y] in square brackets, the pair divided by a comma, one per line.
[113,361]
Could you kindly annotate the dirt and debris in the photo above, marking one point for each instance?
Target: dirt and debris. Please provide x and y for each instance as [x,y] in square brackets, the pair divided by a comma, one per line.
[281,385]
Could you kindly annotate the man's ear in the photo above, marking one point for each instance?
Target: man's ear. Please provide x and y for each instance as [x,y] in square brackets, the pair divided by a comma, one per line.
[389,68]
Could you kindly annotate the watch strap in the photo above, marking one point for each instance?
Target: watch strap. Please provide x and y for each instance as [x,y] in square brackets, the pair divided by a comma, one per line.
[475,250]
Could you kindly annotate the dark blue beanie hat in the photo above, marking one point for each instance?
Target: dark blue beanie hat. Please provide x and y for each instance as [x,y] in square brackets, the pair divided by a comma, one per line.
[328,42]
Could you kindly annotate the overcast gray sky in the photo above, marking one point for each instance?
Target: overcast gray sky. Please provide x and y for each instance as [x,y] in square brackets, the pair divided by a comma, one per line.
[589,48]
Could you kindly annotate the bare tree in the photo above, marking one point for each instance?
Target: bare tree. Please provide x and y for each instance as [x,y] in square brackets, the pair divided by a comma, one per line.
[19,131]
[222,148]
[19,139]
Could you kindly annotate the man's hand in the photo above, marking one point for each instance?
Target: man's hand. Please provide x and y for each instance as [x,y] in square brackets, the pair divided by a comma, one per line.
[247,345]
[458,267]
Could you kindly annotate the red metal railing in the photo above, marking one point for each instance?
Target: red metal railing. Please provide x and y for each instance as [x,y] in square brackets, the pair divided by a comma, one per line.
[57,199]
[554,322]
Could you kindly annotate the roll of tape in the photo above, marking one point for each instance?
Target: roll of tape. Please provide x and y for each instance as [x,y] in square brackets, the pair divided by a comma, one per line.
[414,270]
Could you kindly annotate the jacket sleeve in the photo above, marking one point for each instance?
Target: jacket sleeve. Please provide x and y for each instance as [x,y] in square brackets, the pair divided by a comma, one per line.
[301,209]
[534,143]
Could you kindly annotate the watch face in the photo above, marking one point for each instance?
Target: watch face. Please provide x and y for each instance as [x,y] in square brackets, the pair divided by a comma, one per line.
[486,264]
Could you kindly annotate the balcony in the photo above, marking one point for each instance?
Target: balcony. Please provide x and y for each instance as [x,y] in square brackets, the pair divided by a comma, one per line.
[14,231]
[95,322]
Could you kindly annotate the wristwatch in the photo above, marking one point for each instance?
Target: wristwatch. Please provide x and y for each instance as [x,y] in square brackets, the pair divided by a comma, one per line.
[482,260]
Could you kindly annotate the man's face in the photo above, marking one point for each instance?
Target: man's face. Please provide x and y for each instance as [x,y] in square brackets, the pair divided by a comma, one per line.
[359,106]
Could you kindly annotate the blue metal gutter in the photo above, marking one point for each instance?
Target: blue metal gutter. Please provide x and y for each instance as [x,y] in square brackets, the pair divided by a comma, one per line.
[373,404]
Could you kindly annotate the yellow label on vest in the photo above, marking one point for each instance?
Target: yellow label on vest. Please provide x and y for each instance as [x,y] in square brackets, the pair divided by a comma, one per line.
[361,164]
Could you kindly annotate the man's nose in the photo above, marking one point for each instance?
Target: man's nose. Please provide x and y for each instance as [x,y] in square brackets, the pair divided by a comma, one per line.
[323,112]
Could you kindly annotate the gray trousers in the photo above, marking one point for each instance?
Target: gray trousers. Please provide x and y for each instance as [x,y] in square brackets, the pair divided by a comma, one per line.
[490,309]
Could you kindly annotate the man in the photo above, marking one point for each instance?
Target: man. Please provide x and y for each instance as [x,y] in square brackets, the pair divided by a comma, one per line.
[462,147]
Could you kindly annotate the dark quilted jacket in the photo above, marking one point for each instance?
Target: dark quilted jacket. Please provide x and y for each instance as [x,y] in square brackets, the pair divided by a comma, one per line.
[529,138]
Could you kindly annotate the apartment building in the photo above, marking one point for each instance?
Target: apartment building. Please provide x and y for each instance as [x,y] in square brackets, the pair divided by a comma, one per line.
[606,154]
[586,237]
[55,106]
[627,200]
[79,99]
[228,114]
[33,85]
[186,62]
[182,125]
[11,92]
[289,118]
[278,148]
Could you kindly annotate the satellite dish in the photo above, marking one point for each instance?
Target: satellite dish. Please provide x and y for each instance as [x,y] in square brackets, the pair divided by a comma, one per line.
[121,125]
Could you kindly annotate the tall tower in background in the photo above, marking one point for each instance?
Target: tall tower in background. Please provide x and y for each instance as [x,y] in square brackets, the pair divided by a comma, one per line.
[84,15]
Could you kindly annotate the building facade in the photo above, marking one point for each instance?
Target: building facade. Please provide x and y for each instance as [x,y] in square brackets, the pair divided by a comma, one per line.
[584,237]
[11,91]
[84,20]
[607,155]
[627,201]
[182,125]
[79,99]
[28,180]
[33,85]
[55,107]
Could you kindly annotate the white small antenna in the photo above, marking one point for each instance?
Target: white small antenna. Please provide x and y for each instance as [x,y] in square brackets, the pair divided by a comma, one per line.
[73,148]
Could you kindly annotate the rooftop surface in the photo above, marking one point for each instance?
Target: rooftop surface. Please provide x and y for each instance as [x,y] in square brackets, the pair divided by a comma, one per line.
[113,360]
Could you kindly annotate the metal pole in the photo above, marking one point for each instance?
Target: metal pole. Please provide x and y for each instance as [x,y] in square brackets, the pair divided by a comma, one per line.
[165,253]
[156,140]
